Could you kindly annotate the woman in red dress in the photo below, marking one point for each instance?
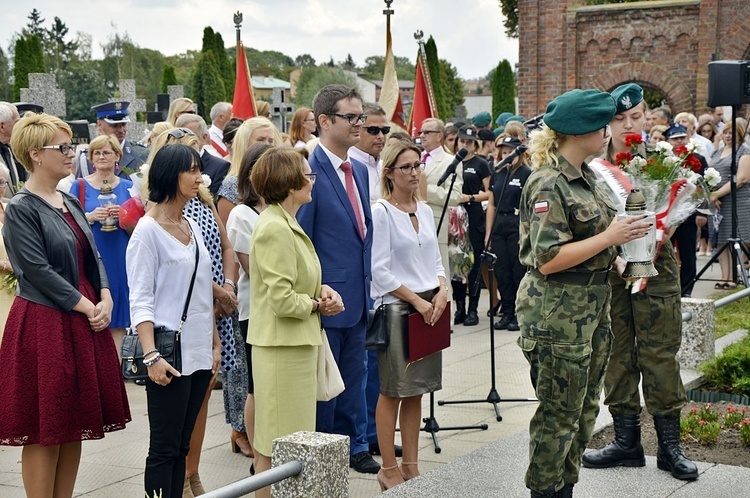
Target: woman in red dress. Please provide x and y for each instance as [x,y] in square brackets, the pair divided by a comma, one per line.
[61,378]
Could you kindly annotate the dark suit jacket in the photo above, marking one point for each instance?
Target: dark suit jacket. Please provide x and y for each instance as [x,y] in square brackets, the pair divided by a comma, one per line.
[330,223]
[216,168]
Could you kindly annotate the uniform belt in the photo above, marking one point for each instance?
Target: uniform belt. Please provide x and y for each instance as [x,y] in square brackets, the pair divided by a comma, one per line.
[596,277]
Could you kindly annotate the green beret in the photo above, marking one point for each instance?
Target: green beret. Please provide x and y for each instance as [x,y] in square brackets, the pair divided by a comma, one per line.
[481,119]
[503,118]
[579,112]
[498,131]
[520,119]
[627,96]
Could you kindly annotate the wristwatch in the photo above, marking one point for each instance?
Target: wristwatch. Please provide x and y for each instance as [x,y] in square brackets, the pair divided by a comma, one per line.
[471,199]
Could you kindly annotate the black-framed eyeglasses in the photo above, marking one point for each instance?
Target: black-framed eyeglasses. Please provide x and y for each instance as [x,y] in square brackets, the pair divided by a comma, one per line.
[427,132]
[189,111]
[374,130]
[64,149]
[311,177]
[179,133]
[408,169]
[352,118]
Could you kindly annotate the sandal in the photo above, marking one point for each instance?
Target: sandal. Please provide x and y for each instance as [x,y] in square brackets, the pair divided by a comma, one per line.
[729,285]
[718,285]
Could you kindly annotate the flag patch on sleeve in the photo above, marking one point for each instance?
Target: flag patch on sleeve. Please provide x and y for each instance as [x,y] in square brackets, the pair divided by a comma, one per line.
[541,207]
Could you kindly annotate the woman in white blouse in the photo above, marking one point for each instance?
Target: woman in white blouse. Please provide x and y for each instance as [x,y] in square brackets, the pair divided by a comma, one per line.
[408,276]
[160,261]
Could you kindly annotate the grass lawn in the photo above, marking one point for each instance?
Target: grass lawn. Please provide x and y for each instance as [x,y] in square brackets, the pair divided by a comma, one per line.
[733,316]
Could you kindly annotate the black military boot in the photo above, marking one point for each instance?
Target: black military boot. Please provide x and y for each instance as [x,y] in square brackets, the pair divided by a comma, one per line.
[566,491]
[472,318]
[670,456]
[556,494]
[625,450]
[460,315]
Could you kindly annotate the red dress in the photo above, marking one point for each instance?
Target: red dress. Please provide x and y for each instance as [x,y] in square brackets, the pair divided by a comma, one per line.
[61,381]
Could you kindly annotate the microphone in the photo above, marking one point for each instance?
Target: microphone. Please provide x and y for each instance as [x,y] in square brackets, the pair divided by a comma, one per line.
[512,156]
[452,168]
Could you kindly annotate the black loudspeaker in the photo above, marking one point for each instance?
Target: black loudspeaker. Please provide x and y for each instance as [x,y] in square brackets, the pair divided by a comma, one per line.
[728,83]
[162,101]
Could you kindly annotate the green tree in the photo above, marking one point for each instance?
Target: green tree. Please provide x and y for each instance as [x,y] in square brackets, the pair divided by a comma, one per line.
[35,26]
[29,58]
[304,60]
[168,77]
[436,75]
[349,64]
[6,89]
[312,79]
[83,82]
[210,82]
[184,66]
[58,51]
[510,11]
[226,69]
[503,89]
[375,67]
[453,88]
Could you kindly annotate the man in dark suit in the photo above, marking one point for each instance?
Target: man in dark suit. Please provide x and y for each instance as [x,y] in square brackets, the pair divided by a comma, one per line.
[215,167]
[339,223]
[112,119]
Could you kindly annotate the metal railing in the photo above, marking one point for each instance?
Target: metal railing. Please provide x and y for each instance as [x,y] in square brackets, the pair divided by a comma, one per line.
[687,315]
[254,483]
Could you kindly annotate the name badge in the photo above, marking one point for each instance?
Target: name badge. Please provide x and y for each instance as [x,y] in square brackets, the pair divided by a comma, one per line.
[515,182]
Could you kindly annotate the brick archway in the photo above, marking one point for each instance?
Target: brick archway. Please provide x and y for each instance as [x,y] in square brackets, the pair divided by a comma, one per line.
[677,92]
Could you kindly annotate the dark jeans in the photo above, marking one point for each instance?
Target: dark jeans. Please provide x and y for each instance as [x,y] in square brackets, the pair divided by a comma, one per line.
[172,411]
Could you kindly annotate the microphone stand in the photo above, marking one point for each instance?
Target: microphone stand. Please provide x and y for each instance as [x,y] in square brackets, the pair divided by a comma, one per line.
[489,259]
[735,245]
[431,425]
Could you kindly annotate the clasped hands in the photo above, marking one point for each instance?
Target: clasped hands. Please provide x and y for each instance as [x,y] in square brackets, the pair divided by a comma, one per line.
[100,315]
[432,311]
[102,213]
[330,302]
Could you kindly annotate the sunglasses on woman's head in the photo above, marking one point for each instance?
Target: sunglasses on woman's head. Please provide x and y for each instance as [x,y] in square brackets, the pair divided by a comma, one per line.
[179,133]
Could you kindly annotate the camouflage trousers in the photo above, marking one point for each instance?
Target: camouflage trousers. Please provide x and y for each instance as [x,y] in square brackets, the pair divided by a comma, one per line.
[566,338]
[647,328]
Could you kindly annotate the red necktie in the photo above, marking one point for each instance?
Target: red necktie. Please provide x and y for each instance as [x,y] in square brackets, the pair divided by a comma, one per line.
[351,192]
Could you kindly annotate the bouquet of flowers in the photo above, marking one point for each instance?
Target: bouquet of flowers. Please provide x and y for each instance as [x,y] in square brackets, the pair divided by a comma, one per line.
[669,179]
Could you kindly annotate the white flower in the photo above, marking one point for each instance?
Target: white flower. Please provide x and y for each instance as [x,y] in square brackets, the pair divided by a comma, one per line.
[206,180]
[144,169]
[671,161]
[712,177]
[638,162]
[663,148]
[697,147]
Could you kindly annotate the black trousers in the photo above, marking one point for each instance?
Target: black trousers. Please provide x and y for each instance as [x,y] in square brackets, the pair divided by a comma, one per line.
[685,238]
[172,412]
[508,269]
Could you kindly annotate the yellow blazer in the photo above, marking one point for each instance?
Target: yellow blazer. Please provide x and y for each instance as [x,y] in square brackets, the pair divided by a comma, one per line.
[284,275]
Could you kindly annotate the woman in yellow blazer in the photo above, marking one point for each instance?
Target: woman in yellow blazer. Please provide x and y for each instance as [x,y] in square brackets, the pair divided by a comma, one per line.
[286,298]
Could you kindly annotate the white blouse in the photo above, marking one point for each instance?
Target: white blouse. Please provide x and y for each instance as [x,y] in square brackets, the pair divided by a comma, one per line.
[400,255]
[159,269]
[240,226]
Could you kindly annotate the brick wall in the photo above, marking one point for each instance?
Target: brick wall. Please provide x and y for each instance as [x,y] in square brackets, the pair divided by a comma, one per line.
[664,46]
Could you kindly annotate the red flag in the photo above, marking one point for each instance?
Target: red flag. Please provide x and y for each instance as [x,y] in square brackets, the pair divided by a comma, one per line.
[243,105]
[390,95]
[423,106]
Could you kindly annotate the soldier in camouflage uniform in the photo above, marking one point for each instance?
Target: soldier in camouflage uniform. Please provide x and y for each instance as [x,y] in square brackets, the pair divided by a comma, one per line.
[567,239]
[647,328]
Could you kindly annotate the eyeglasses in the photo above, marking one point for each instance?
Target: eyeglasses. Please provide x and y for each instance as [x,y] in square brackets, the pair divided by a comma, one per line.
[427,132]
[352,118]
[189,111]
[179,133]
[408,169]
[310,120]
[311,177]
[3,183]
[374,130]
[105,153]
[64,149]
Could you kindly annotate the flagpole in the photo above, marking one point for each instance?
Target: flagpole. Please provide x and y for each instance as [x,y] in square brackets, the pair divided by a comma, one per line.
[238,25]
[419,36]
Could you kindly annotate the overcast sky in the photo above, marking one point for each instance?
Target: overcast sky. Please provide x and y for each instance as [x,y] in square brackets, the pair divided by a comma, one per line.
[469,33]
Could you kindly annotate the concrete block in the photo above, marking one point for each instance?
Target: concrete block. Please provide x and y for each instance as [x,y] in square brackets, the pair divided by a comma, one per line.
[698,335]
[325,460]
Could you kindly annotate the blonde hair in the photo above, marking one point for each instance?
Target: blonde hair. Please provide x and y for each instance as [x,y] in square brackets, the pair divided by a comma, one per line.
[298,124]
[241,141]
[543,145]
[101,142]
[32,132]
[740,136]
[515,129]
[157,130]
[163,139]
[178,105]
[390,156]
[263,108]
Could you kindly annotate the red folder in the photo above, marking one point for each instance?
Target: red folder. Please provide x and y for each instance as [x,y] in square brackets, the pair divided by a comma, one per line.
[424,339]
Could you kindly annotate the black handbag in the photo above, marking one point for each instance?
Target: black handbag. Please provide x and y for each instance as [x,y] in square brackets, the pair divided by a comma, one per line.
[377,336]
[166,341]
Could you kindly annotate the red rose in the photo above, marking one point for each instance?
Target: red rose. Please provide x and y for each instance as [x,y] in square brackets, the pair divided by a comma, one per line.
[623,158]
[693,163]
[633,139]
[680,151]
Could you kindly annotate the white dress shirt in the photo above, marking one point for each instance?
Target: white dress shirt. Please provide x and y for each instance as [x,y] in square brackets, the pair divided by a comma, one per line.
[336,162]
[374,170]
